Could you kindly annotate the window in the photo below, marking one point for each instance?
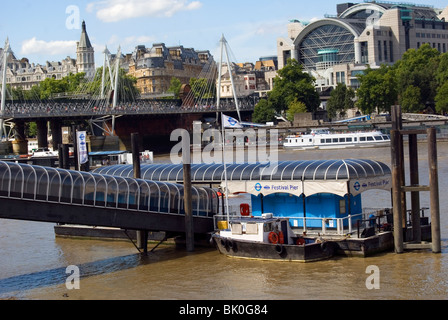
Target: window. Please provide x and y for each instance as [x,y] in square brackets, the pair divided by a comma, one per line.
[349,139]
[342,140]
[370,139]
[362,139]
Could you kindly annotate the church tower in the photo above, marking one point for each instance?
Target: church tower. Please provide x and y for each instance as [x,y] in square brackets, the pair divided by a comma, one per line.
[85,54]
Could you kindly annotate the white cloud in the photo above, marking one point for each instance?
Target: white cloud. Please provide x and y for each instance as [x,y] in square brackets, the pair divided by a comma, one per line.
[34,46]
[117,10]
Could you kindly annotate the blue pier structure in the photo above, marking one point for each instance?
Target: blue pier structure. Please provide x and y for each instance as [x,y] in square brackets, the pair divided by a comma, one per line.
[321,194]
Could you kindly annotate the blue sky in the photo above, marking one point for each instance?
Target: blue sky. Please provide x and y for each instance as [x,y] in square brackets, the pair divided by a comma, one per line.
[47,30]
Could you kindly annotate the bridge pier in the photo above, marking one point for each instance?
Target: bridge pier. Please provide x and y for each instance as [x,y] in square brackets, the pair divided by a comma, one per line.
[56,132]
[20,145]
[42,133]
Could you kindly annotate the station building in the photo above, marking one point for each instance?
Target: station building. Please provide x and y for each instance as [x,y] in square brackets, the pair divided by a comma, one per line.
[337,48]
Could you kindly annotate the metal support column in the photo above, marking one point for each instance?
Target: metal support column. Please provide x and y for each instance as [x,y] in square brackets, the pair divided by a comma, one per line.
[142,235]
[189,226]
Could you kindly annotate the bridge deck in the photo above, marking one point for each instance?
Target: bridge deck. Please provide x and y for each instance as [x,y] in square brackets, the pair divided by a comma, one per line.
[61,196]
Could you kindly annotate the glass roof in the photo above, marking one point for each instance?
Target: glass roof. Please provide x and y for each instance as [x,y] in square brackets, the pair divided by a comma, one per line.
[34,183]
[318,170]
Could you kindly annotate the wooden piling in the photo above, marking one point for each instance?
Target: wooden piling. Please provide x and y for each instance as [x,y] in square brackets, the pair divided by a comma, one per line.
[434,186]
[188,205]
[142,235]
[397,192]
[415,181]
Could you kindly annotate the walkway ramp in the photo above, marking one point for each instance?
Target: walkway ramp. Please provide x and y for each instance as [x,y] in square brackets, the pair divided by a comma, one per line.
[43,194]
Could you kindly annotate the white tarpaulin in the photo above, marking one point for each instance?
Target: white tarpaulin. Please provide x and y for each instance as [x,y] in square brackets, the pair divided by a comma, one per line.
[265,187]
[309,188]
[361,185]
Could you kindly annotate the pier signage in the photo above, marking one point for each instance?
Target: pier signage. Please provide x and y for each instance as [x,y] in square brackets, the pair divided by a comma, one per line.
[82,147]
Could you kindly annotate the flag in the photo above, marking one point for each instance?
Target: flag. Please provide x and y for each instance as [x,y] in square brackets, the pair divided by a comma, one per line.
[229,122]
[83,153]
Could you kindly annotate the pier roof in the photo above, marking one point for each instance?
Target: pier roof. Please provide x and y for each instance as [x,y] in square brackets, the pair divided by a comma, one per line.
[341,177]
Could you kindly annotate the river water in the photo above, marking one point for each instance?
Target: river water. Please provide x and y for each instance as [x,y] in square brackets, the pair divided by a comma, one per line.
[33,262]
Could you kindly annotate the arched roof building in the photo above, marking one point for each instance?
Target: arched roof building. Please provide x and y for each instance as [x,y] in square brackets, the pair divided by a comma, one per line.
[337,48]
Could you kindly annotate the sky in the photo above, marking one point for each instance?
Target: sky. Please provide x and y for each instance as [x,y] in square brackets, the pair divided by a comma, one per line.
[47,30]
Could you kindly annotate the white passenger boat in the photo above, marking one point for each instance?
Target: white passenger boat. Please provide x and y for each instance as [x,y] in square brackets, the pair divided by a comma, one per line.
[324,139]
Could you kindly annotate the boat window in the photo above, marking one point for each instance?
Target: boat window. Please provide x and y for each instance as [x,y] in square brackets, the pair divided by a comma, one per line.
[268,227]
[327,140]
[311,140]
[362,139]
[349,139]
[322,141]
[370,139]
[386,137]
[356,139]
[342,140]
[252,228]
[377,138]
[336,140]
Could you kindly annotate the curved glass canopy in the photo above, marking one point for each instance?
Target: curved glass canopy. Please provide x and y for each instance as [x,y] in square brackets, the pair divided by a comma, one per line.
[339,177]
[281,171]
[36,183]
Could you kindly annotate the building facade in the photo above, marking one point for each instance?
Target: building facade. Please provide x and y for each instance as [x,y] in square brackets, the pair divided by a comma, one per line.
[85,54]
[155,67]
[23,74]
[337,48]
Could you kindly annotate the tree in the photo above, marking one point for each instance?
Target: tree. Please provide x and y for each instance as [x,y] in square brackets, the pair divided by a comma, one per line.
[378,90]
[417,69]
[411,100]
[340,101]
[263,112]
[202,89]
[442,99]
[175,87]
[292,84]
[295,108]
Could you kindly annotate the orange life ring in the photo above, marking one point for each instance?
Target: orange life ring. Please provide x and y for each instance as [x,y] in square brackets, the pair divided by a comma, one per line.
[273,238]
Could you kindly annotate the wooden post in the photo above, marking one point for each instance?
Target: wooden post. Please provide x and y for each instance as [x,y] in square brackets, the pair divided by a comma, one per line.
[434,186]
[396,192]
[142,235]
[415,181]
[188,205]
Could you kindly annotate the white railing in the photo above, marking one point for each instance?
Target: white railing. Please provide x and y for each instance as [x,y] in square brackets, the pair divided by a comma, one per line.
[330,226]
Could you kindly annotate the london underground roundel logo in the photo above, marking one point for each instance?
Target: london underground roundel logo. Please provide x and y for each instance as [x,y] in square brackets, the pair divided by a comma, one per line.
[357,186]
[258,187]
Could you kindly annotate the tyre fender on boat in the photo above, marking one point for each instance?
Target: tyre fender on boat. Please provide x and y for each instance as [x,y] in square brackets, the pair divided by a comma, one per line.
[279,249]
[327,247]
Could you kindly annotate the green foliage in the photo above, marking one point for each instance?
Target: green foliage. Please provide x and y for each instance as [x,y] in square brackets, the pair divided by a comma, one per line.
[263,112]
[378,91]
[293,89]
[77,83]
[417,69]
[292,84]
[442,99]
[175,87]
[295,108]
[340,101]
[201,88]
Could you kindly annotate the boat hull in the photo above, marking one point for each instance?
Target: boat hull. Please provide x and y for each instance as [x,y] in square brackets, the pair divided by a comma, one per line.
[266,251]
